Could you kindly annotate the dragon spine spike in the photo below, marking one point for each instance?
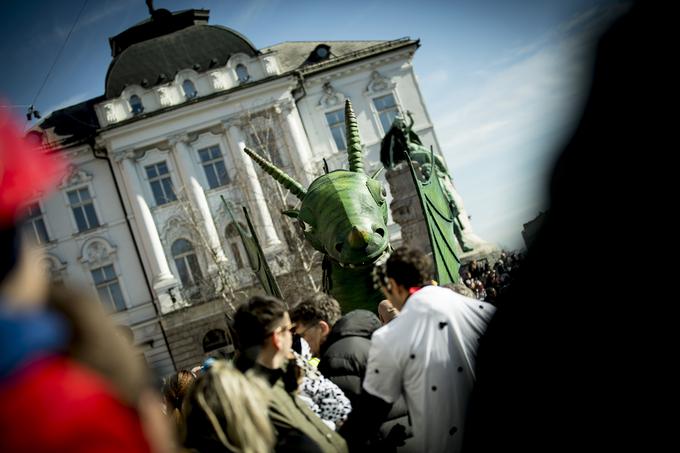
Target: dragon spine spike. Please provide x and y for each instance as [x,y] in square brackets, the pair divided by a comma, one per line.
[354,151]
[276,173]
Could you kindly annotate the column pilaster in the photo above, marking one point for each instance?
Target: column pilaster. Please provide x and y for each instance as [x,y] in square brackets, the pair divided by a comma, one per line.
[162,278]
[250,183]
[198,203]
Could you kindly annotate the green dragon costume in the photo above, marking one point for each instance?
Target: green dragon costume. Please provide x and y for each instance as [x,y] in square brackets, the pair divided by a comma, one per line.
[344,213]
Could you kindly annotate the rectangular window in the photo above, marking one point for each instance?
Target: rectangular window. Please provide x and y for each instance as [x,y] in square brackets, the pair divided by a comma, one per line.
[213,165]
[336,121]
[108,288]
[35,225]
[161,183]
[83,209]
[387,110]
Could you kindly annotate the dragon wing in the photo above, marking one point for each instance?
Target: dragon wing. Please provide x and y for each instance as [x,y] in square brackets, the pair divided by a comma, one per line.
[439,218]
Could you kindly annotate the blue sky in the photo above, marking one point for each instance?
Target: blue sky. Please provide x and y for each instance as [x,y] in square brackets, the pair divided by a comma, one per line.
[502,79]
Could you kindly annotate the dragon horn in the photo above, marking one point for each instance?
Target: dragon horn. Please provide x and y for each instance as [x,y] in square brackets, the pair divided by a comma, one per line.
[276,173]
[354,151]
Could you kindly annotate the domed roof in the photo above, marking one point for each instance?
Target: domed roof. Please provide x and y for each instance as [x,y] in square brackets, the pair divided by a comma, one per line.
[156,60]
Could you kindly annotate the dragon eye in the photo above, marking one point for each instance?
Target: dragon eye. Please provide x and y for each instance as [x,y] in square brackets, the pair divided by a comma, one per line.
[377,191]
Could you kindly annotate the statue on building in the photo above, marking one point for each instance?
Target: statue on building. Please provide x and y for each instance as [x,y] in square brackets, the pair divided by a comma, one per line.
[401,142]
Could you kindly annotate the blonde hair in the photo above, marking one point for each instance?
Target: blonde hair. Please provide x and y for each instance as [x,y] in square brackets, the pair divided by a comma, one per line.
[227,409]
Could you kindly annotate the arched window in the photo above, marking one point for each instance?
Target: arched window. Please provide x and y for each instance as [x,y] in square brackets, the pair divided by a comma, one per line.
[215,339]
[242,73]
[189,89]
[187,264]
[235,245]
[136,105]
[54,269]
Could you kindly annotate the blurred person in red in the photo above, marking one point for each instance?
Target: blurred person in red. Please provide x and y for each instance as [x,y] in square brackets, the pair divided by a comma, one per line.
[68,381]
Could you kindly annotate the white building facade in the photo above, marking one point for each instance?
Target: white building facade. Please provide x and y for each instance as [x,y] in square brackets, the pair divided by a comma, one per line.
[140,219]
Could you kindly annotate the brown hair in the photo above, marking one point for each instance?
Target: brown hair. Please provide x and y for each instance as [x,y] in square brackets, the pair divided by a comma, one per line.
[256,319]
[409,267]
[318,307]
[174,390]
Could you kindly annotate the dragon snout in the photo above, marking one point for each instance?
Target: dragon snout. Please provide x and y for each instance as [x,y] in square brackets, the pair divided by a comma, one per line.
[359,243]
[358,239]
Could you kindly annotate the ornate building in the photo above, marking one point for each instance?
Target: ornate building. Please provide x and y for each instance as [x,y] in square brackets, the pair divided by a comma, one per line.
[140,219]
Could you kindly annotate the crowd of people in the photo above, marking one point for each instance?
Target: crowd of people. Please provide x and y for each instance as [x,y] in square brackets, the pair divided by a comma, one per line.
[304,378]
[333,382]
[489,282]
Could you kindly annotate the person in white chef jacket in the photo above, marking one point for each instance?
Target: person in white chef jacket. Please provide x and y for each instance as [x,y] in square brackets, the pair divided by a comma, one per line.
[426,354]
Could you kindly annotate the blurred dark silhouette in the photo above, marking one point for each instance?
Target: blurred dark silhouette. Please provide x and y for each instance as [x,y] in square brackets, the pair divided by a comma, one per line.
[69,381]
[563,363]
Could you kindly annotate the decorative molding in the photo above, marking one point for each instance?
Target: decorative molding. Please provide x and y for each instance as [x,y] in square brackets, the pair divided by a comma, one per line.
[132,154]
[115,111]
[140,154]
[53,263]
[331,97]
[183,137]
[284,107]
[163,146]
[165,96]
[119,156]
[110,113]
[219,80]
[75,177]
[378,84]
[97,252]
[233,121]
[217,129]
[101,143]
[271,66]
[173,140]
[191,137]
[175,227]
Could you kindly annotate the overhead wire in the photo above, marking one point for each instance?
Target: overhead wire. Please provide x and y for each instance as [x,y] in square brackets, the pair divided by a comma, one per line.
[61,49]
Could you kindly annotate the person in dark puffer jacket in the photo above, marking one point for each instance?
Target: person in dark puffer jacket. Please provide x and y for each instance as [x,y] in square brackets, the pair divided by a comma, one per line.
[342,344]
[344,352]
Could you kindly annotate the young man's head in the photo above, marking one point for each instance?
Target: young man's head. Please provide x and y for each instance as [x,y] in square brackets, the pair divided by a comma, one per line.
[262,324]
[406,268]
[314,318]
